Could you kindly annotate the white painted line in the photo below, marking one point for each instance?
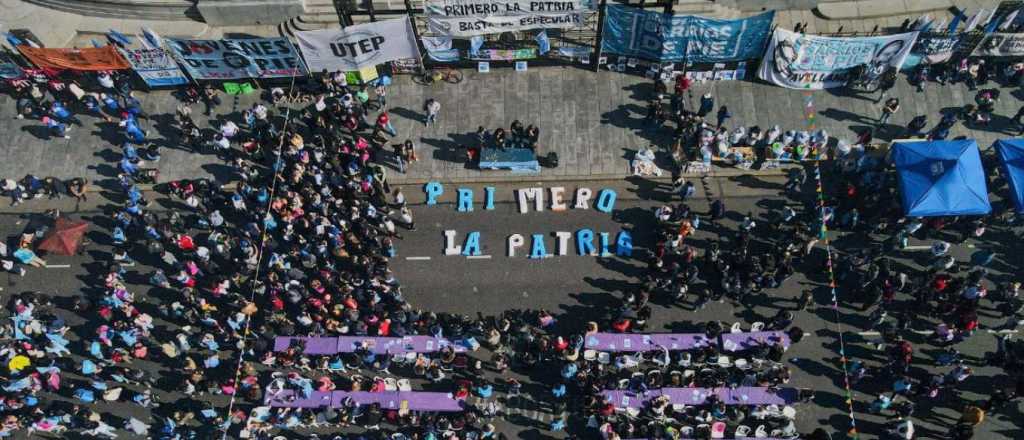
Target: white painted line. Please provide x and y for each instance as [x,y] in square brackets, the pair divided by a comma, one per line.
[479,257]
[916,248]
[58,266]
[417,258]
[931,332]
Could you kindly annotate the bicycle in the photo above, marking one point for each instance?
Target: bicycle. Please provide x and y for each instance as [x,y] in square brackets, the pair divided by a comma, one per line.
[438,74]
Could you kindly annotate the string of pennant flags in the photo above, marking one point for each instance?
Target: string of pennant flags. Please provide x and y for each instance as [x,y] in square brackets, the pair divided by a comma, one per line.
[810,115]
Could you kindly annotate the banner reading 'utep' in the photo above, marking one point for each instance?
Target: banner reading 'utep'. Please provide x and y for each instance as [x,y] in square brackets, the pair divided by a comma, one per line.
[234,59]
[155,67]
[467,18]
[90,58]
[355,47]
[1000,45]
[800,61]
[634,32]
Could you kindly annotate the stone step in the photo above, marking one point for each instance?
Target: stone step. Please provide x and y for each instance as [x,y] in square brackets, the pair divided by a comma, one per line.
[178,10]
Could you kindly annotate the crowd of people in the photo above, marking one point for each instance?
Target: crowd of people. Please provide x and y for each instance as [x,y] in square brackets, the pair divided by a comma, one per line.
[300,244]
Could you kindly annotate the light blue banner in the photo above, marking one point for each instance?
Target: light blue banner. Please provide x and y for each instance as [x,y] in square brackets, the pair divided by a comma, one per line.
[655,36]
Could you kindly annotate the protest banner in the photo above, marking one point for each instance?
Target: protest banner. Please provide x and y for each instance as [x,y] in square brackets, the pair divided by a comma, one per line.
[8,68]
[931,49]
[356,47]
[155,66]
[466,18]
[90,58]
[1000,45]
[799,61]
[503,54]
[655,36]
[234,59]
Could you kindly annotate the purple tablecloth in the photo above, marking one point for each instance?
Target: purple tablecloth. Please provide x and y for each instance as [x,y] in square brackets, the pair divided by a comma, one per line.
[378,345]
[746,341]
[697,396]
[416,400]
[627,342]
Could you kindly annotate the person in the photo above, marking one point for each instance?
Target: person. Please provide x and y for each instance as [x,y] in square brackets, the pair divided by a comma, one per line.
[210,98]
[891,106]
[381,91]
[56,128]
[723,115]
[432,107]
[707,103]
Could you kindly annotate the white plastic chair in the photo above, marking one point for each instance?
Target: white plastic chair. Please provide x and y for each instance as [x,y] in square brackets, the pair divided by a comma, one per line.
[604,358]
[404,385]
[589,355]
[390,384]
[742,431]
[741,364]
[736,328]
[789,412]
[686,360]
[757,327]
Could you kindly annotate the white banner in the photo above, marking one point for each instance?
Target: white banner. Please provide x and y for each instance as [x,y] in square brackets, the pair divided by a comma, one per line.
[466,18]
[355,47]
[800,61]
[1000,45]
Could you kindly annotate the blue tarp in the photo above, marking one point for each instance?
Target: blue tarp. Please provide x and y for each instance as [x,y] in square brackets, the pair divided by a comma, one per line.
[941,178]
[1011,152]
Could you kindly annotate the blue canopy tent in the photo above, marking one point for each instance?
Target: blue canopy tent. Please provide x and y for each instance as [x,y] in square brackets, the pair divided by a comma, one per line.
[1011,152]
[941,178]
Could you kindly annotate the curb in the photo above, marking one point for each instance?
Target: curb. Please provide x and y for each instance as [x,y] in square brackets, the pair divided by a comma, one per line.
[526,178]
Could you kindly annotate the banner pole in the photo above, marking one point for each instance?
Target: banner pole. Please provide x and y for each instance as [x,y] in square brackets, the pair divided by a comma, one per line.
[600,31]
[416,32]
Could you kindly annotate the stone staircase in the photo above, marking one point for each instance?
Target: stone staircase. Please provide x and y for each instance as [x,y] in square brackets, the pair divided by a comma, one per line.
[176,10]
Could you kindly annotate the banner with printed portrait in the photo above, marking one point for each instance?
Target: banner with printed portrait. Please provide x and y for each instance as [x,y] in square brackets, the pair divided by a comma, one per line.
[655,36]
[467,18]
[932,49]
[1000,45]
[234,59]
[88,59]
[155,66]
[354,47]
[799,61]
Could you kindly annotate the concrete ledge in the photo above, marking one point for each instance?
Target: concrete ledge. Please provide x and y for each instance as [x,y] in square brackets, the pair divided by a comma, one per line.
[860,9]
[248,12]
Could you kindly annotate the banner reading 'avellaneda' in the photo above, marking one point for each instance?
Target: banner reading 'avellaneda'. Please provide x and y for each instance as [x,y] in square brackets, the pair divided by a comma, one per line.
[799,61]
[233,59]
[355,47]
[651,35]
[467,18]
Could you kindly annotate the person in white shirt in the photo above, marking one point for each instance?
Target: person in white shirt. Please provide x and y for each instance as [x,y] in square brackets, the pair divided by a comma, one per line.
[229,129]
[433,108]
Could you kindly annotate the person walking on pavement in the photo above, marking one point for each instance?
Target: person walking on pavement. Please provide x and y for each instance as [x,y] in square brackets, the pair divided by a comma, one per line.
[707,103]
[723,115]
[210,98]
[890,107]
[432,107]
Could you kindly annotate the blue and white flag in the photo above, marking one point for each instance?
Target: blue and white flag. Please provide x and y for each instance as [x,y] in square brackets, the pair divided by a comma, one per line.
[542,42]
[475,43]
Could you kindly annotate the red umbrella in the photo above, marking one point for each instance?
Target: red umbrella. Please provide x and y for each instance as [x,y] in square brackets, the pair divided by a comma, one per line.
[65,237]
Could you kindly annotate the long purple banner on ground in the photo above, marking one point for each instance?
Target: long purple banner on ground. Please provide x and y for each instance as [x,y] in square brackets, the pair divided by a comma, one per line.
[698,396]
[377,345]
[410,400]
[629,342]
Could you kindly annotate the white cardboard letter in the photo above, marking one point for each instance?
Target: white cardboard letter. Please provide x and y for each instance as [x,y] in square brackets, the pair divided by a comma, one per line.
[557,204]
[515,241]
[450,248]
[583,198]
[524,195]
[563,242]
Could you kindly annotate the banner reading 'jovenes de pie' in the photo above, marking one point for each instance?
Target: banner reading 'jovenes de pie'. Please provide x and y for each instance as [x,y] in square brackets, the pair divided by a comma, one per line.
[233,59]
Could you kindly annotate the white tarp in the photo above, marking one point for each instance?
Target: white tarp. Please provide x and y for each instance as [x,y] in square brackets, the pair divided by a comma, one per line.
[800,61]
[467,18]
[355,47]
